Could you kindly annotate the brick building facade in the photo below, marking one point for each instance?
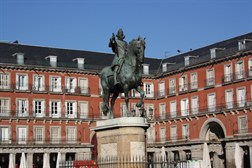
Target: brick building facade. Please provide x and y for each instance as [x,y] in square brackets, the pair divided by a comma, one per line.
[50,97]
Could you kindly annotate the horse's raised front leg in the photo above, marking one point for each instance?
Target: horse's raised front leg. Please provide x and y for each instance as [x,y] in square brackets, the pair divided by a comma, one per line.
[139,89]
[113,99]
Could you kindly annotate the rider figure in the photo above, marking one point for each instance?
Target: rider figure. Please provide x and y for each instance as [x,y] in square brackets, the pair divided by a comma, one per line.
[119,47]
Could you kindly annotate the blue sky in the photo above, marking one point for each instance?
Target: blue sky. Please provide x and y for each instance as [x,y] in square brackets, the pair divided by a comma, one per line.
[168,25]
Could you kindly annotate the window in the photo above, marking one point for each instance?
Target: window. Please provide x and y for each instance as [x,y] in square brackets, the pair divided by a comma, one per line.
[55,135]
[71,134]
[242,124]
[55,84]
[134,107]
[195,105]
[242,45]
[149,90]
[185,131]
[39,134]
[149,108]
[162,110]
[241,97]
[183,83]
[83,84]
[172,86]
[101,111]
[211,102]
[164,67]
[21,82]
[53,60]
[55,108]
[250,67]
[39,108]
[161,89]
[4,135]
[210,81]
[22,107]
[70,85]
[239,70]
[146,69]
[184,107]
[228,73]
[135,93]
[100,88]
[38,83]
[187,61]
[4,81]
[173,109]
[213,53]
[83,109]
[162,134]
[194,80]
[4,107]
[22,135]
[229,99]
[123,109]
[71,111]
[151,134]
[173,132]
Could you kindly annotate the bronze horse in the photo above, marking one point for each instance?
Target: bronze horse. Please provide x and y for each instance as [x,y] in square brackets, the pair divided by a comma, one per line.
[129,77]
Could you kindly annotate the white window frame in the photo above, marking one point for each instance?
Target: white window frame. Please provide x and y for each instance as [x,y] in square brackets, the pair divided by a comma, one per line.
[146,69]
[137,109]
[71,84]
[5,134]
[4,106]
[22,107]
[4,81]
[162,131]
[22,139]
[242,126]
[194,80]
[83,109]
[161,88]
[39,138]
[151,134]
[71,109]
[229,98]
[185,131]
[241,99]
[149,90]
[39,112]
[211,105]
[55,140]
[228,72]
[210,77]
[172,86]
[38,82]
[84,87]
[184,107]
[55,84]
[239,70]
[162,110]
[250,67]
[173,112]
[71,134]
[183,83]
[195,110]
[173,132]
[55,109]
[22,81]
[147,108]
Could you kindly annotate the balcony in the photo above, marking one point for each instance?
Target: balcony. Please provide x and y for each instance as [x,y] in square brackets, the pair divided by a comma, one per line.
[243,132]
[172,91]
[206,110]
[161,94]
[209,83]
[235,77]
[183,88]
[168,140]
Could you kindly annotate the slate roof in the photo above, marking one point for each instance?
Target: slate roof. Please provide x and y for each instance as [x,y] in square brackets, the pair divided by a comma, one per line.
[35,56]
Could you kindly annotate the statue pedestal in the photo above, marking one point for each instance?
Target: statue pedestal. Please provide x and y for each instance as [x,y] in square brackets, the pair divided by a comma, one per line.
[121,137]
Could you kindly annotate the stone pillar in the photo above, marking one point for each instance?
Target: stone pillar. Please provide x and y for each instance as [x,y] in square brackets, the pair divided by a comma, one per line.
[121,137]
[250,155]
[197,152]
[230,150]
[30,160]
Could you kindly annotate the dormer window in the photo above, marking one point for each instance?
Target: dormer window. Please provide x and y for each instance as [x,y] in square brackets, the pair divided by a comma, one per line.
[53,60]
[187,59]
[80,62]
[20,58]
[146,69]
[164,67]
[213,52]
[242,44]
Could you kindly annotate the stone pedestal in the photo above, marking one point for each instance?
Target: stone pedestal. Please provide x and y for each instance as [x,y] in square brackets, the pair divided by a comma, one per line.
[121,137]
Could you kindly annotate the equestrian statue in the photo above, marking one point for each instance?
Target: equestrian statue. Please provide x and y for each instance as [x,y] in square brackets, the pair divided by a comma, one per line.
[124,74]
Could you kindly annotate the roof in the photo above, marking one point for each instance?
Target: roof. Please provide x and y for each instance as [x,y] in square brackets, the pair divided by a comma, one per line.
[35,56]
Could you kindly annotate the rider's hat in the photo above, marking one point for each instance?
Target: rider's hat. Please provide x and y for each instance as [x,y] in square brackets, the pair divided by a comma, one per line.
[120,34]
